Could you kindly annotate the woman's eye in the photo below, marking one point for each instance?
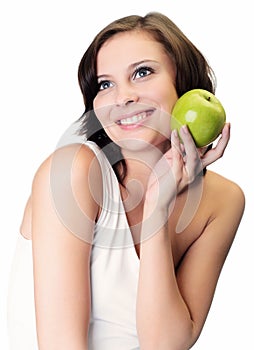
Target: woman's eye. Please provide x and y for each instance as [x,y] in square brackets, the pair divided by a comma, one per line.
[103,85]
[142,72]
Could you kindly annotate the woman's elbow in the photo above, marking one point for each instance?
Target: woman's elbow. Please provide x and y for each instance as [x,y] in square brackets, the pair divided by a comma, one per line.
[182,338]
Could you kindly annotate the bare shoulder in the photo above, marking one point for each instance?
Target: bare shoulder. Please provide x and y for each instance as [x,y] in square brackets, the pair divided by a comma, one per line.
[228,197]
[74,158]
[69,170]
[69,166]
[224,188]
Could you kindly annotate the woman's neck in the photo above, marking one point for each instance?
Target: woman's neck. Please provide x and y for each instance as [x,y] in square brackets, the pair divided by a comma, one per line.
[140,164]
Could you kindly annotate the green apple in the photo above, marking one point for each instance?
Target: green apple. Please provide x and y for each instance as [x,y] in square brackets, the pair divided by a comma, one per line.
[202,112]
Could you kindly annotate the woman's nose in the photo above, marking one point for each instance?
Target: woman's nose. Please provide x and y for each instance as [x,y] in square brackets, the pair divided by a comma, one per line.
[126,95]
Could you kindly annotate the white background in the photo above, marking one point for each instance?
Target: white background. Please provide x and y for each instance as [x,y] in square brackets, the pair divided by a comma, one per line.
[41,45]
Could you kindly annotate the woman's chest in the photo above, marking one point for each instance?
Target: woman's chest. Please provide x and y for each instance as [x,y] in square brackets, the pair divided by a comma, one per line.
[186,222]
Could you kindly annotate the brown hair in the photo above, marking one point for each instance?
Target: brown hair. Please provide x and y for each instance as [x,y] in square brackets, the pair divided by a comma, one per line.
[192,71]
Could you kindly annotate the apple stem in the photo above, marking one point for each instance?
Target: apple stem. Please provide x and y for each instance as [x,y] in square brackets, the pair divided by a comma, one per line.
[208,98]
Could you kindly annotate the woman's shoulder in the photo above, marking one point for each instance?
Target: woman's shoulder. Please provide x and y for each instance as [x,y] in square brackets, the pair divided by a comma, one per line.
[223,204]
[72,168]
[74,156]
[224,190]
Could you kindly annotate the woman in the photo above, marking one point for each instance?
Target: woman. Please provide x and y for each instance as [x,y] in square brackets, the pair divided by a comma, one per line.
[129,231]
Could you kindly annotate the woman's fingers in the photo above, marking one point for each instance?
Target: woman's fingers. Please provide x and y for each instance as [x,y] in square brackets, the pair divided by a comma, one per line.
[192,160]
[188,161]
[217,152]
[178,154]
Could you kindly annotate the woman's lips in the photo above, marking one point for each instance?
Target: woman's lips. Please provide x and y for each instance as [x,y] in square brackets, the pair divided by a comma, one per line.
[134,120]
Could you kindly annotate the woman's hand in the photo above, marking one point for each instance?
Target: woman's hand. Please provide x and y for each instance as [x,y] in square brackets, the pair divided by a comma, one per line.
[180,166]
[209,156]
[188,161]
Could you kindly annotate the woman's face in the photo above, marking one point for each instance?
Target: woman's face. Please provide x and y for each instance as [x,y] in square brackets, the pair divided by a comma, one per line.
[136,89]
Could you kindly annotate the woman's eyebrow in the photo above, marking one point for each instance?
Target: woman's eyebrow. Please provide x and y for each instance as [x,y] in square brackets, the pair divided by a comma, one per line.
[136,64]
[103,76]
[130,67]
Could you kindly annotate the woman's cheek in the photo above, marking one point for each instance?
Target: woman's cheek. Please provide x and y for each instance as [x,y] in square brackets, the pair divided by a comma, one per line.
[103,112]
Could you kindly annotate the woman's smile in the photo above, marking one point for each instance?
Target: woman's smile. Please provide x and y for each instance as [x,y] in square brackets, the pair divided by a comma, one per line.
[134,120]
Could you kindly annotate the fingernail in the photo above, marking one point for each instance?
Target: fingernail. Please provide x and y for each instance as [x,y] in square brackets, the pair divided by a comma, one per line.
[185,129]
[175,133]
[227,129]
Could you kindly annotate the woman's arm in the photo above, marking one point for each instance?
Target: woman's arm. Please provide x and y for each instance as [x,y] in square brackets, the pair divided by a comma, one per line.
[25,227]
[198,273]
[172,308]
[61,238]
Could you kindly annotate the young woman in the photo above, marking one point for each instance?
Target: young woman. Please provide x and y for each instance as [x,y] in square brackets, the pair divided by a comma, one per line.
[129,231]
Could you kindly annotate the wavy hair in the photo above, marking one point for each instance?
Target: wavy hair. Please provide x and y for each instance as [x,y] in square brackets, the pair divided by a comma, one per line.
[192,71]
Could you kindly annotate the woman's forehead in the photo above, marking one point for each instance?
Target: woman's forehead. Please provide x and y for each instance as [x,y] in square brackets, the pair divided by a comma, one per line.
[129,47]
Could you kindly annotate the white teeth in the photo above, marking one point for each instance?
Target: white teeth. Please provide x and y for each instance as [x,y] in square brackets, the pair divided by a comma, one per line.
[132,120]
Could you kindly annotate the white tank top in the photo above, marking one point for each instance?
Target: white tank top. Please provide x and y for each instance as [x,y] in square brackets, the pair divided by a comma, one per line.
[114,270]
